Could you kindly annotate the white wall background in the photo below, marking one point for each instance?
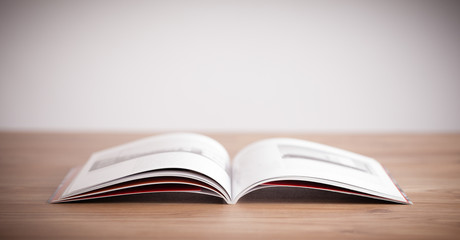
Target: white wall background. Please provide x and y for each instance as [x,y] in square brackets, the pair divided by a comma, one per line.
[322,66]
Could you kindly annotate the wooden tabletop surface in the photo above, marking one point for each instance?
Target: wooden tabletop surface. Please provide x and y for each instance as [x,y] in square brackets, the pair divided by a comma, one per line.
[426,166]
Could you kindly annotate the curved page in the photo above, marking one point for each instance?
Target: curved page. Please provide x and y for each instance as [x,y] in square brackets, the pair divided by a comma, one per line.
[292,159]
[170,151]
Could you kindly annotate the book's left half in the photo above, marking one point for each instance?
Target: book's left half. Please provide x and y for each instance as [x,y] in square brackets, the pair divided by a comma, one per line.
[179,162]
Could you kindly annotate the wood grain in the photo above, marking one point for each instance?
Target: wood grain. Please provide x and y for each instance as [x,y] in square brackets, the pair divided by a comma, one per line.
[427,166]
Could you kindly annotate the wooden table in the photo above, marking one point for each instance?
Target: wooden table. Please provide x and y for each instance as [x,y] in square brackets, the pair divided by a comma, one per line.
[426,166]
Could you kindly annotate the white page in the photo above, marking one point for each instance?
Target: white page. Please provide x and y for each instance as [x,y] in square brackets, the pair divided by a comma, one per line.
[292,159]
[178,150]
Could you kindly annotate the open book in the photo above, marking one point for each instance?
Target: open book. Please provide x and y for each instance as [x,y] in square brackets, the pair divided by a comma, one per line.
[187,162]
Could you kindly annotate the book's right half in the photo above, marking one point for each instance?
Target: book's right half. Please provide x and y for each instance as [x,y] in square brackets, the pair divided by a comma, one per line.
[298,163]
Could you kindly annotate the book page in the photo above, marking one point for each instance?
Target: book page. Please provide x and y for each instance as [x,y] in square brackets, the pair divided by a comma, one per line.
[187,151]
[292,159]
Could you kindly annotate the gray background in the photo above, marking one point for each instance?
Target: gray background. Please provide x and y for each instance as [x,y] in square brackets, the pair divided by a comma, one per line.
[319,66]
